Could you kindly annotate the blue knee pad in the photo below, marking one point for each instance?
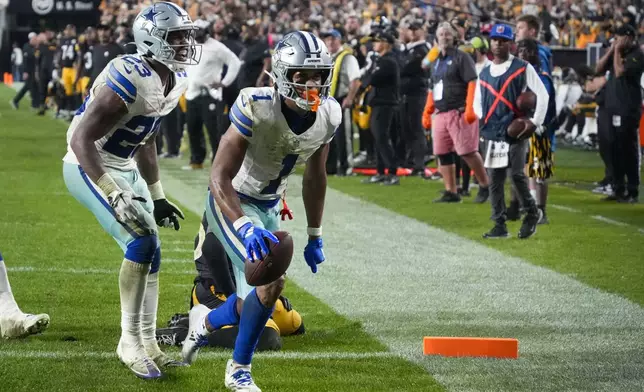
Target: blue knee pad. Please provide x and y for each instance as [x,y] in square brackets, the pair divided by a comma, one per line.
[447,159]
[143,249]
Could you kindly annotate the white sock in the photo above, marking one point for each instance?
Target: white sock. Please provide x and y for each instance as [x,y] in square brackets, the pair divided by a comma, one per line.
[132,281]
[533,193]
[201,327]
[8,304]
[149,313]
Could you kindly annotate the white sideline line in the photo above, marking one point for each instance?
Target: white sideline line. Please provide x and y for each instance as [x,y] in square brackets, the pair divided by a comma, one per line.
[177,250]
[85,271]
[176,261]
[609,221]
[563,208]
[203,355]
[597,217]
[177,242]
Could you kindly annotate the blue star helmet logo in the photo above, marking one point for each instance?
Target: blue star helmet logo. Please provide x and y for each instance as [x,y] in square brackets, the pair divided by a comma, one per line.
[151,14]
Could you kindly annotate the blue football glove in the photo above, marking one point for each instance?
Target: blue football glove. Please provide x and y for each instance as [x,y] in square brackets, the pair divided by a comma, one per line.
[313,254]
[254,241]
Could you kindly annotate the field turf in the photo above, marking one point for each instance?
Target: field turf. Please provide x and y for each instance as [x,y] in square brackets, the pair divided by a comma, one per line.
[61,262]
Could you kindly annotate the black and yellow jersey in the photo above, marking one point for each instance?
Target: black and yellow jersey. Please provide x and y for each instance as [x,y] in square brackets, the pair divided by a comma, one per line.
[68,50]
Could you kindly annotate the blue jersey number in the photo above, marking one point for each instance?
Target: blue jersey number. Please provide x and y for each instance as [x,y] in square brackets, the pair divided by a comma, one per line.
[124,142]
[140,67]
[287,166]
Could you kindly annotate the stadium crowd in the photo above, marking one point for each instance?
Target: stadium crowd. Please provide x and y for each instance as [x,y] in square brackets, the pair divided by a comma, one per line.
[360,33]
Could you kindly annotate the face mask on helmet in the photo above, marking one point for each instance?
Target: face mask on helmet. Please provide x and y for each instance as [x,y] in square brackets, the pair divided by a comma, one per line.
[180,49]
[309,86]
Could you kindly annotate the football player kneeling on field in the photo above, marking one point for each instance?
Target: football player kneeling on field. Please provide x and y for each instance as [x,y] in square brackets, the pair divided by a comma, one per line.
[212,286]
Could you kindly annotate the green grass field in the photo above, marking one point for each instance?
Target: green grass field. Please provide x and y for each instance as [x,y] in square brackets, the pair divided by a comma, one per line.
[61,262]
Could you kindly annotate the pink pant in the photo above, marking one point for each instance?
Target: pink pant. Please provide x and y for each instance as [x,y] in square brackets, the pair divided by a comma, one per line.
[452,133]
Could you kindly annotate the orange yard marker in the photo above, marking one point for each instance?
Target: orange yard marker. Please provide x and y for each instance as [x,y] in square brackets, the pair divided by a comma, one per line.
[471,347]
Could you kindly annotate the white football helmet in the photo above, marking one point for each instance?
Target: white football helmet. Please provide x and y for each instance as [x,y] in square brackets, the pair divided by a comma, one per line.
[165,32]
[302,51]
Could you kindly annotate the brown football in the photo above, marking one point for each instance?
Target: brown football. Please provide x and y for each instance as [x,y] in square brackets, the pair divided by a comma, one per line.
[526,102]
[274,265]
[521,128]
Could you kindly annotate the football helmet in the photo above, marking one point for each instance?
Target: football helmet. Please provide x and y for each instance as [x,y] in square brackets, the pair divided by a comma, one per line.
[302,51]
[165,32]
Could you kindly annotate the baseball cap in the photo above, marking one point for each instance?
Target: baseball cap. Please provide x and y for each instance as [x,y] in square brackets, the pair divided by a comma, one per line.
[383,36]
[335,33]
[31,35]
[626,30]
[503,31]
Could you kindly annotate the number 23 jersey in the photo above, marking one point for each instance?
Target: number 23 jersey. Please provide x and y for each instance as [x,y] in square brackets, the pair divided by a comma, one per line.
[273,148]
[140,87]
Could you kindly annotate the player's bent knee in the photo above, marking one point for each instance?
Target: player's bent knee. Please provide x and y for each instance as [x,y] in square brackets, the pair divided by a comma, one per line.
[447,159]
[269,293]
[143,249]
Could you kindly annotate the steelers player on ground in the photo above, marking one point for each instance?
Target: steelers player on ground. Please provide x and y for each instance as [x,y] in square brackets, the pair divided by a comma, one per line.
[68,53]
[84,64]
[215,282]
[111,167]
[272,128]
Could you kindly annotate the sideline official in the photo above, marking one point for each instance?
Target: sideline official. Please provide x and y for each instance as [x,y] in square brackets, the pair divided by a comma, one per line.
[29,73]
[344,86]
[204,96]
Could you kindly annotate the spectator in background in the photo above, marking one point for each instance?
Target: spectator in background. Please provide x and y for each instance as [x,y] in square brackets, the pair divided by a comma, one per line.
[344,86]
[125,38]
[383,79]
[16,62]
[455,127]
[29,73]
[204,96]
[413,84]
[104,51]
[256,57]
[528,27]
[623,105]
[507,77]
[45,66]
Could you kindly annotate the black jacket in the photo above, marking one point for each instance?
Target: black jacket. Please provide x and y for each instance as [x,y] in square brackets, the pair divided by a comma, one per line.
[384,81]
[413,78]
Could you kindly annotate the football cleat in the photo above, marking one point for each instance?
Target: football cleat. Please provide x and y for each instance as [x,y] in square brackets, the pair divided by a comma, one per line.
[20,325]
[195,340]
[161,359]
[238,378]
[135,358]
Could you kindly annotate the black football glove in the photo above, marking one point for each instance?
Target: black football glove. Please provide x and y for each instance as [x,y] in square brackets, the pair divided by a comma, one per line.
[166,213]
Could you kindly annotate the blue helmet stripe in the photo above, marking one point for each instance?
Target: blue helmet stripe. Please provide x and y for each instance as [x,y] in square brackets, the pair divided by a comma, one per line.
[307,48]
[315,41]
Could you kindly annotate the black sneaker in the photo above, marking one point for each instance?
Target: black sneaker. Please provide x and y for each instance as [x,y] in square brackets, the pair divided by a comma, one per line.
[172,336]
[464,192]
[449,197]
[500,230]
[513,213]
[13,104]
[482,195]
[529,225]
[374,179]
[629,200]
[391,180]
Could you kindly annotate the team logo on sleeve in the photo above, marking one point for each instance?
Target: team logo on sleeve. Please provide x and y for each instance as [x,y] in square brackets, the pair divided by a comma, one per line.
[42,7]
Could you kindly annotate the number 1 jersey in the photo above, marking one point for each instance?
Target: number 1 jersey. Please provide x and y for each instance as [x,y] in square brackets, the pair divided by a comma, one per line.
[273,148]
[140,87]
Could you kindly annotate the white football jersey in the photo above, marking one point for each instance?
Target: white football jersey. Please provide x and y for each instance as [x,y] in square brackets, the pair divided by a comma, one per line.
[274,149]
[141,88]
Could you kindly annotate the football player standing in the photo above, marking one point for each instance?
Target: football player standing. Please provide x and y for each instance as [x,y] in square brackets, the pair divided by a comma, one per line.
[111,167]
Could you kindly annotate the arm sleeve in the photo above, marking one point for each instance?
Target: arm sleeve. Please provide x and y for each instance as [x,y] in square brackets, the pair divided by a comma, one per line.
[234,64]
[241,115]
[477,105]
[536,85]
[634,65]
[123,79]
[352,67]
